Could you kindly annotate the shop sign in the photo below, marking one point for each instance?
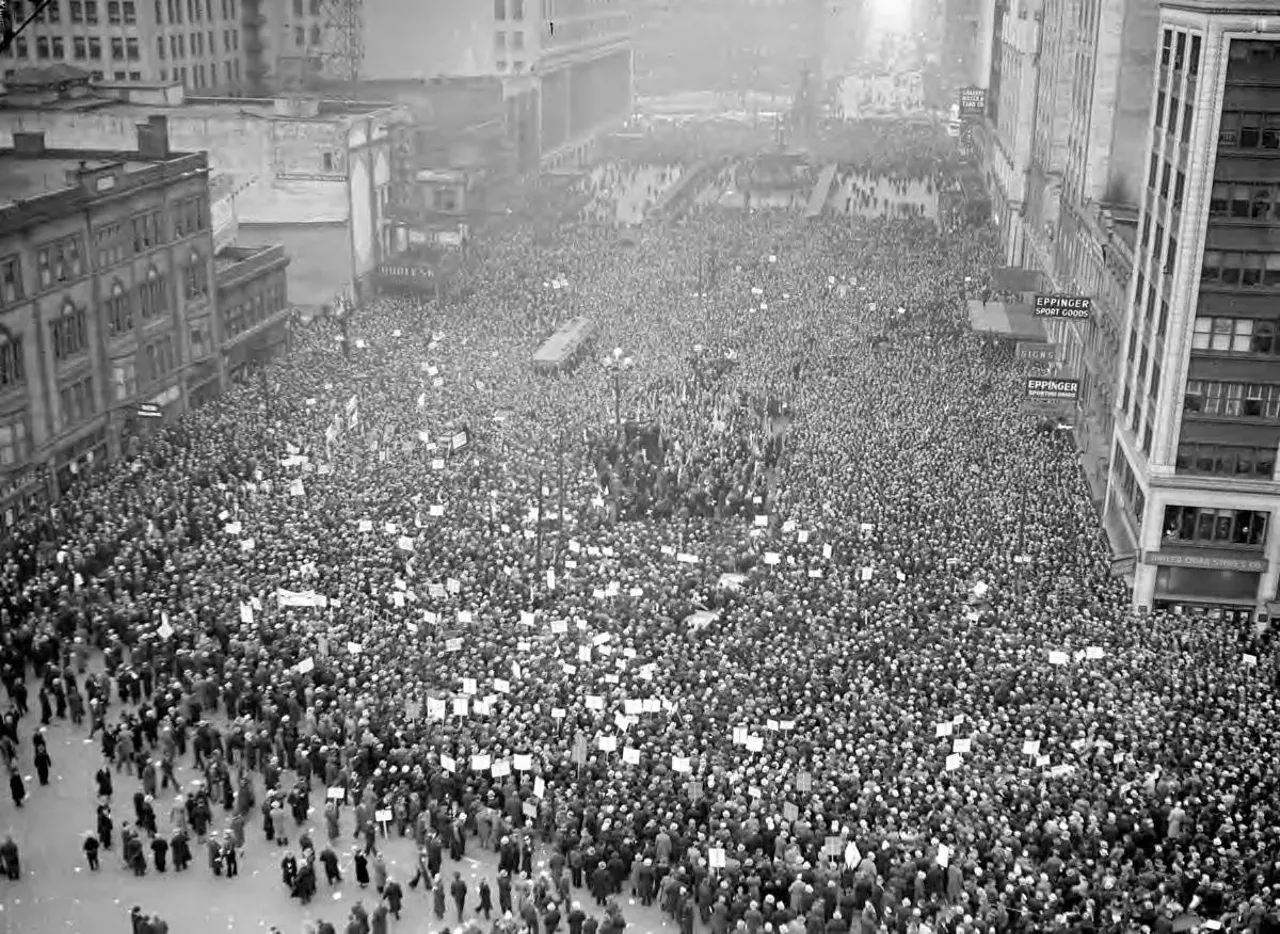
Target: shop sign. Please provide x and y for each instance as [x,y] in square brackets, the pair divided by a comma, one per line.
[1075,307]
[1205,562]
[1039,388]
[973,102]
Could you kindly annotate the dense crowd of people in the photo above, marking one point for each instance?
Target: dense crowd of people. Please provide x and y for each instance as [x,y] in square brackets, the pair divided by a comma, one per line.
[766,655]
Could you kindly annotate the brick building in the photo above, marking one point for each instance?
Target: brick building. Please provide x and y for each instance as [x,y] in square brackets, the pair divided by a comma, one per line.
[110,294]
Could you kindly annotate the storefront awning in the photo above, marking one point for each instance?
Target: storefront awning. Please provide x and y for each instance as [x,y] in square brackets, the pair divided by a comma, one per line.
[1006,320]
[1201,584]
[1016,279]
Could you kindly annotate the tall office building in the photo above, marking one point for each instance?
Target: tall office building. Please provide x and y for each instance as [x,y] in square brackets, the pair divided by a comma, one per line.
[1076,227]
[1198,422]
[194,42]
[572,57]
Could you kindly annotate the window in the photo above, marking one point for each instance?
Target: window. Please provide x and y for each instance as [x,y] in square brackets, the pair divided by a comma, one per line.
[117,49]
[315,35]
[131,49]
[499,10]
[113,12]
[76,401]
[189,216]
[516,10]
[198,338]
[1193,61]
[59,262]
[95,53]
[15,440]
[109,245]
[299,36]
[77,11]
[196,277]
[314,7]
[124,379]
[160,47]
[146,230]
[517,41]
[11,280]
[130,10]
[159,359]
[58,47]
[91,12]
[42,46]
[70,336]
[54,11]
[20,47]
[79,49]
[1160,104]
[1215,526]
[13,368]
[119,310]
[499,41]
[154,295]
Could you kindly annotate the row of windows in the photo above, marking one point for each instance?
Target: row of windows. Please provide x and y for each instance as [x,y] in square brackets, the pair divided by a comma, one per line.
[197,74]
[1253,269]
[196,11]
[312,5]
[500,41]
[1249,130]
[62,261]
[152,302]
[1225,526]
[1236,335]
[255,309]
[1256,201]
[1129,484]
[1227,460]
[1173,126]
[512,10]
[177,44]
[1232,400]
[1175,51]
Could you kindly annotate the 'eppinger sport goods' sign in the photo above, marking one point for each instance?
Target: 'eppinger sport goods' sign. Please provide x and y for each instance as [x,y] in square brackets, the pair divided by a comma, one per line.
[1063,306]
[1052,388]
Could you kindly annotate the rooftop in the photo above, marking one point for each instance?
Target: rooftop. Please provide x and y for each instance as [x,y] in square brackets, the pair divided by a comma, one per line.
[23,177]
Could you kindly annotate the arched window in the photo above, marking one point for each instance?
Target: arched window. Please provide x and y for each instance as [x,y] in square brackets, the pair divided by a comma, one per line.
[119,310]
[69,333]
[197,285]
[13,371]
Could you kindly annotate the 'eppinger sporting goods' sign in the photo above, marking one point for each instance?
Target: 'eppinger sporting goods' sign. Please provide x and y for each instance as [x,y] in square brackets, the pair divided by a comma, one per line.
[1052,388]
[1063,306]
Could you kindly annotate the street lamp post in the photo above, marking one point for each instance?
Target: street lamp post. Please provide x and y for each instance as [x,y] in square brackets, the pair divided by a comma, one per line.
[615,364]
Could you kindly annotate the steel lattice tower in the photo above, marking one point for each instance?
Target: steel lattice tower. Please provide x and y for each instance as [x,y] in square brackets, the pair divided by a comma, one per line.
[343,53]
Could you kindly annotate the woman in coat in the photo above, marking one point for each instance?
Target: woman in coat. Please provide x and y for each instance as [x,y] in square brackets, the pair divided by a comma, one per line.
[437,897]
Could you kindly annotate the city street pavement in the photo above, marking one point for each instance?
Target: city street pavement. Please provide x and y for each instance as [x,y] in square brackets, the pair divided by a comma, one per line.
[58,893]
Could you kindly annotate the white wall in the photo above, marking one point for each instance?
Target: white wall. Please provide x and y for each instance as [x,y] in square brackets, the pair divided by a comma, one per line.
[286,157]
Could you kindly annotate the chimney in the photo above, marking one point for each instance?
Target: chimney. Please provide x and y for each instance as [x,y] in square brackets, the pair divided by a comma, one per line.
[29,144]
[153,138]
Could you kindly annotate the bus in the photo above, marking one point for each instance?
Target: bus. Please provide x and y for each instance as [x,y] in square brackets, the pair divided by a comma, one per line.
[563,348]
